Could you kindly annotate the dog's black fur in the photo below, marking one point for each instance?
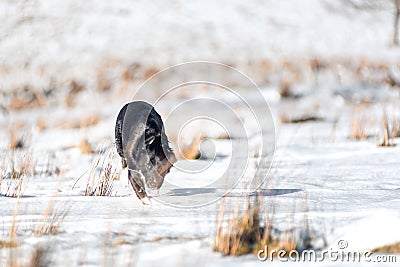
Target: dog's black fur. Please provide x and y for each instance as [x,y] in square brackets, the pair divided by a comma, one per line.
[143,146]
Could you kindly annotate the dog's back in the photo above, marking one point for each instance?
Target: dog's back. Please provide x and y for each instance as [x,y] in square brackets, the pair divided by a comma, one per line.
[130,130]
[143,146]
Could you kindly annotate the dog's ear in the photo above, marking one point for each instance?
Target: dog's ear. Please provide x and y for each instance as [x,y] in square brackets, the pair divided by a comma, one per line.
[150,139]
[150,135]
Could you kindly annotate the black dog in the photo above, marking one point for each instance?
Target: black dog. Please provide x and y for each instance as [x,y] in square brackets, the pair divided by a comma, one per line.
[143,146]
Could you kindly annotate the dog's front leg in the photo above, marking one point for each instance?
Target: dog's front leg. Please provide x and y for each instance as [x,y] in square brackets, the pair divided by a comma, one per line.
[135,178]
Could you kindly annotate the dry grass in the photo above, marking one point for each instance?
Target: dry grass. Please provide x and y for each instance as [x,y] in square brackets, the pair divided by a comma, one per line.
[41,124]
[39,258]
[285,88]
[16,164]
[392,81]
[103,173]
[13,230]
[104,84]
[16,187]
[243,233]
[107,255]
[21,165]
[150,71]
[247,233]
[84,122]
[392,248]
[191,151]
[53,216]
[395,128]
[300,119]
[317,64]
[3,170]
[357,129]
[49,168]
[20,169]
[8,244]
[74,89]
[386,134]
[12,234]
[52,219]
[89,120]
[108,77]
[16,141]
[26,97]
[85,147]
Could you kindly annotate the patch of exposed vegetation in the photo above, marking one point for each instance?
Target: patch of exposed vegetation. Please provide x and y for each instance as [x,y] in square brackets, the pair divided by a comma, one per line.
[247,233]
[392,248]
[52,218]
[386,135]
[103,173]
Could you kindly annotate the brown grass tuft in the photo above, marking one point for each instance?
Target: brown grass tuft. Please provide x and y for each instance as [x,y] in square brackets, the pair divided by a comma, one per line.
[18,174]
[87,121]
[392,248]
[74,89]
[246,233]
[242,235]
[8,244]
[150,72]
[300,119]
[90,120]
[395,129]
[104,84]
[357,130]
[130,73]
[285,88]
[41,124]
[39,258]
[317,64]
[26,97]
[191,151]
[12,234]
[16,165]
[385,137]
[16,187]
[3,170]
[255,228]
[16,141]
[52,218]
[102,175]
[85,147]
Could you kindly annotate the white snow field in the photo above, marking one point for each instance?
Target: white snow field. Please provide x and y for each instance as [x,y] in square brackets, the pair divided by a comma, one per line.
[67,67]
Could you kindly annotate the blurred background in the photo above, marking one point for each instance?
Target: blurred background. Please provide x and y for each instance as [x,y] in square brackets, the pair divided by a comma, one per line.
[50,47]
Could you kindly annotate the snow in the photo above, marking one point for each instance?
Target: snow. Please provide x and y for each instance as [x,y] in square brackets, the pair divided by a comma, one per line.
[346,189]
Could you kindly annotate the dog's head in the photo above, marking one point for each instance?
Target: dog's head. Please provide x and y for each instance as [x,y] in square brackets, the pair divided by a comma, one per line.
[160,156]
[158,167]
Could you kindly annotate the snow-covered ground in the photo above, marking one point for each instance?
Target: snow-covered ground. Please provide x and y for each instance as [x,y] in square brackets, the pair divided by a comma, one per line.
[334,56]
